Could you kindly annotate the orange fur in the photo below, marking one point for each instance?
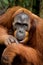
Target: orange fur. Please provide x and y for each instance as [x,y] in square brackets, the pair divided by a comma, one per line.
[27,55]
[6,18]
[36,38]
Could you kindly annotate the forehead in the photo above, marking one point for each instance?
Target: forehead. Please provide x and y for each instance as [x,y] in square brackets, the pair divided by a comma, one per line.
[21,17]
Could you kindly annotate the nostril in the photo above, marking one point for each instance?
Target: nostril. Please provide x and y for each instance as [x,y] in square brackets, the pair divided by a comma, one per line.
[20,34]
[21,31]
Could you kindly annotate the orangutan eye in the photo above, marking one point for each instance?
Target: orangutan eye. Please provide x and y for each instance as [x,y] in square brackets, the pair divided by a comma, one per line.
[25,26]
[16,26]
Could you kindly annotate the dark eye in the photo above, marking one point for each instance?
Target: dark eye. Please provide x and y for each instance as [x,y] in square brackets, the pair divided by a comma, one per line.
[16,26]
[25,26]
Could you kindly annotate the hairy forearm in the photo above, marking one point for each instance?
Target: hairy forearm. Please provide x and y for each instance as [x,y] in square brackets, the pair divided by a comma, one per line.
[28,53]
[3,34]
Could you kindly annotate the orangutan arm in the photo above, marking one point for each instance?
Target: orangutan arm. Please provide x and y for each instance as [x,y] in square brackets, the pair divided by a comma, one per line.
[5,38]
[28,53]
[3,33]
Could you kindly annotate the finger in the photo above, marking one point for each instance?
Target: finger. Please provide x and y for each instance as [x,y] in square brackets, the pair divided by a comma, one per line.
[6,43]
[11,39]
[9,42]
[16,40]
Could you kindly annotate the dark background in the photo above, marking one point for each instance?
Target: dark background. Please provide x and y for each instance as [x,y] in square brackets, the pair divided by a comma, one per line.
[36,6]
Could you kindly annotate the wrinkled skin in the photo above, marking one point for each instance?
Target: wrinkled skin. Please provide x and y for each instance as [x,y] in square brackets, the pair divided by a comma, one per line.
[33,37]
